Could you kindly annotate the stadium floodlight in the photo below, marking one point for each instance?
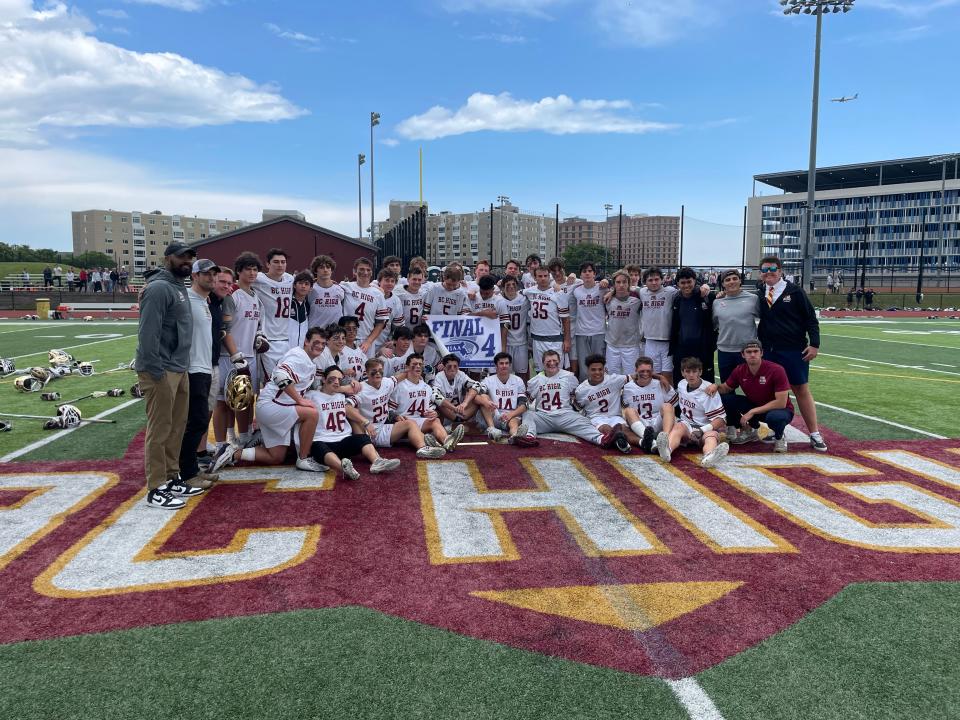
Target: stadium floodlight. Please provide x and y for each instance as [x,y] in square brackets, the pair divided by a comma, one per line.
[374,121]
[818,8]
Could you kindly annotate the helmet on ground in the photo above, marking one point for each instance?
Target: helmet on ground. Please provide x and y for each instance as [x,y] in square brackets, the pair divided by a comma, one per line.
[70,414]
[85,368]
[238,391]
[27,383]
[41,374]
[136,390]
[7,365]
[59,357]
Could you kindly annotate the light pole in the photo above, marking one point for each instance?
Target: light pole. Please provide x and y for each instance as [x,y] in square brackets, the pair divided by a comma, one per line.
[606,225]
[502,199]
[941,246]
[374,121]
[361,159]
[818,8]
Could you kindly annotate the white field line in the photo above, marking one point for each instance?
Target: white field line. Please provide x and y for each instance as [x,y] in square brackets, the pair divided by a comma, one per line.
[57,435]
[694,699]
[896,365]
[71,347]
[904,321]
[943,365]
[25,329]
[881,420]
[896,342]
[865,367]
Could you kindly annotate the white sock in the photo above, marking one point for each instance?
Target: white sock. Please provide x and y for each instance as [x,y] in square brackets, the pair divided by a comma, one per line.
[638,428]
[816,435]
[231,435]
[243,437]
[249,454]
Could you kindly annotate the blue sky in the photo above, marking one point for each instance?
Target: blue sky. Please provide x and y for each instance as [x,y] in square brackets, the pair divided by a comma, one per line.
[223,107]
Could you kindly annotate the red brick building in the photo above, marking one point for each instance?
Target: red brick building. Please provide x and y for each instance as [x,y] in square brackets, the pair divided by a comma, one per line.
[301,240]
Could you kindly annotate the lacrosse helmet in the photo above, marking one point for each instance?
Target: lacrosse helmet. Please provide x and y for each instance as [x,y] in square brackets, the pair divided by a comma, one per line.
[238,391]
[59,357]
[136,390]
[7,365]
[5,426]
[27,383]
[41,374]
[85,368]
[70,414]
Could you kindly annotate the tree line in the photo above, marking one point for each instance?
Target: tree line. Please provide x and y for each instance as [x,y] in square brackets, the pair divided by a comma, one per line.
[25,253]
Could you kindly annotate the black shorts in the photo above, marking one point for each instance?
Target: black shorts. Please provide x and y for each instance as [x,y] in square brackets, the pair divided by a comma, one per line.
[349,447]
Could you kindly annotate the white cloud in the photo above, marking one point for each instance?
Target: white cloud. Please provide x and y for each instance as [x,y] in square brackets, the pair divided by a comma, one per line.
[40,187]
[504,38]
[54,73]
[114,13]
[535,8]
[293,35]
[390,142]
[648,23]
[185,5]
[559,115]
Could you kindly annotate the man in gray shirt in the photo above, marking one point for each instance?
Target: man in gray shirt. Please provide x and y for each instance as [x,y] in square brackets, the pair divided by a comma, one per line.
[163,356]
[735,317]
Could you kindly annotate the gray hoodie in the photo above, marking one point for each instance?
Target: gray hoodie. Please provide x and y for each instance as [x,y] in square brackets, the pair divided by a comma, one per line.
[735,318]
[166,326]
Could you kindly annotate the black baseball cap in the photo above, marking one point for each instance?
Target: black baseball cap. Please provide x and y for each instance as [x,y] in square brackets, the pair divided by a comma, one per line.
[204,265]
[178,248]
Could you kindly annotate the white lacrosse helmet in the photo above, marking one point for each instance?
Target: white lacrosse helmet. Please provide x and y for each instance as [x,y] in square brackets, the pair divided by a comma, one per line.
[85,368]
[70,414]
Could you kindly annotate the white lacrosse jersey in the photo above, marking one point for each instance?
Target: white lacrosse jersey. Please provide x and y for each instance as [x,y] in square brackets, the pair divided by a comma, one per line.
[412,399]
[478,303]
[326,304]
[602,398]
[440,301]
[301,369]
[547,309]
[586,305]
[367,305]
[333,424]
[527,281]
[623,322]
[552,394]
[505,396]
[513,315]
[275,298]
[412,305]
[349,359]
[647,399]
[374,403]
[246,320]
[657,315]
[453,390]
[431,357]
[696,407]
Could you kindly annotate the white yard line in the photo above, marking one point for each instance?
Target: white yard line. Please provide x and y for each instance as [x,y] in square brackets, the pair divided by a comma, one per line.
[896,365]
[71,347]
[896,342]
[943,365]
[881,420]
[57,435]
[865,367]
[694,699]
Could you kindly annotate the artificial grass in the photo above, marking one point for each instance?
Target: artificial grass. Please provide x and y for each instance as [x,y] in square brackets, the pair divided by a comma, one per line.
[339,663]
[878,650]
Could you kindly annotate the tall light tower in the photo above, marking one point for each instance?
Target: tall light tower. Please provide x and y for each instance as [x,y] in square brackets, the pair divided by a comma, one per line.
[606,225]
[361,159]
[942,245]
[503,200]
[374,121]
[818,8]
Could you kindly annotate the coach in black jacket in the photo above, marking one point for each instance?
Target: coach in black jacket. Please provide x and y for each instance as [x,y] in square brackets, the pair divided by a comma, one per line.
[790,333]
[691,329]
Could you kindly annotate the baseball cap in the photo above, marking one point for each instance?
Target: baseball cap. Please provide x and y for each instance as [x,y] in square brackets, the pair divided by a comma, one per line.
[178,248]
[204,265]
[727,273]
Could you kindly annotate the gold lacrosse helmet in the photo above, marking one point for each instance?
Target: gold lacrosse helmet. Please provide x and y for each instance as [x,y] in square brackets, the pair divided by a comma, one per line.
[59,357]
[40,374]
[238,391]
[27,383]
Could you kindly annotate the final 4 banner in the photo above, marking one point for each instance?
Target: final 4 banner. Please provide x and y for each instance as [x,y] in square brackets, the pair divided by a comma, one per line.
[475,340]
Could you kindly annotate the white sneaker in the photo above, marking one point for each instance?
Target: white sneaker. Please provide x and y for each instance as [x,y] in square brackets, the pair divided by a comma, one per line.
[715,455]
[348,470]
[494,434]
[310,465]
[224,458]
[382,465]
[431,441]
[780,445]
[450,444]
[163,498]
[663,446]
[431,453]
[520,432]
[747,436]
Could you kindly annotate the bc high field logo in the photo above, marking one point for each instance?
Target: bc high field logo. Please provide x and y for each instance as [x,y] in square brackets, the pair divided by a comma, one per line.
[619,561]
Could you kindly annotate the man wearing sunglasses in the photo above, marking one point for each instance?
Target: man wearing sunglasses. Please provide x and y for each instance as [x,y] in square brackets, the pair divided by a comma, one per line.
[790,334]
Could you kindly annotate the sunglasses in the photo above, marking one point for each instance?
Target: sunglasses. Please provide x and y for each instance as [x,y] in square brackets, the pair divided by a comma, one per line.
[769,268]
[375,372]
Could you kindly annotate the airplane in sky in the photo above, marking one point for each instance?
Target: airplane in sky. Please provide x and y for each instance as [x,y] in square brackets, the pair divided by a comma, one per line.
[845,98]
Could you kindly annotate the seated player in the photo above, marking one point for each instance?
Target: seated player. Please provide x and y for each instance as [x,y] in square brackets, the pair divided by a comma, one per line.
[503,403]
[458,390]
[280,407]
[373,405]
[648,404]
[599,397]
[334,442]
[551,395]
[701,416]
[413,400]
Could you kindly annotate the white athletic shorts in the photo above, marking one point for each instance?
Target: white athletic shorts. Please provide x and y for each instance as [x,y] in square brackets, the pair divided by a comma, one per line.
[275,422]
[656,422]
[659,352]
[622,360]
[540,347]
[382,437]
[418,420]
[611,420]
[521,357]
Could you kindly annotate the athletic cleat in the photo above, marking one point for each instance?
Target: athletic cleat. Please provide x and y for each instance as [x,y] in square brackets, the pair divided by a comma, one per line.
[208,476]
[431,453]
[431,441]
[450,444]
[382,465]
[348,470]
[309,464]
[648,439]
[224,457]
[663,446]
[607,439]
[818,444]
[746,436]
[255,439]
[163,498]
[494,434]
[521,431]
[715,455]
[780,445]
[623,445]
[731,433]
[525,441]
[182,488]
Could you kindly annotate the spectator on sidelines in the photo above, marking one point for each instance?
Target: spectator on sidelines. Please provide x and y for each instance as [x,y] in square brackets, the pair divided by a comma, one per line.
[58,275]
[114,280]
[83,278]
[71,277]
[790,334]
[25,277]
[868,299]
[735,316]
[766,399]
[96,279]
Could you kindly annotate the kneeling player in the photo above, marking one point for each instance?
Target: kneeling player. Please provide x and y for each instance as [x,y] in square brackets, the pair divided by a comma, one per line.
[460,398]
[373,405]
[648,405]
[702,415]
[334,442]
[504,402]
[599,398]
[413,400]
